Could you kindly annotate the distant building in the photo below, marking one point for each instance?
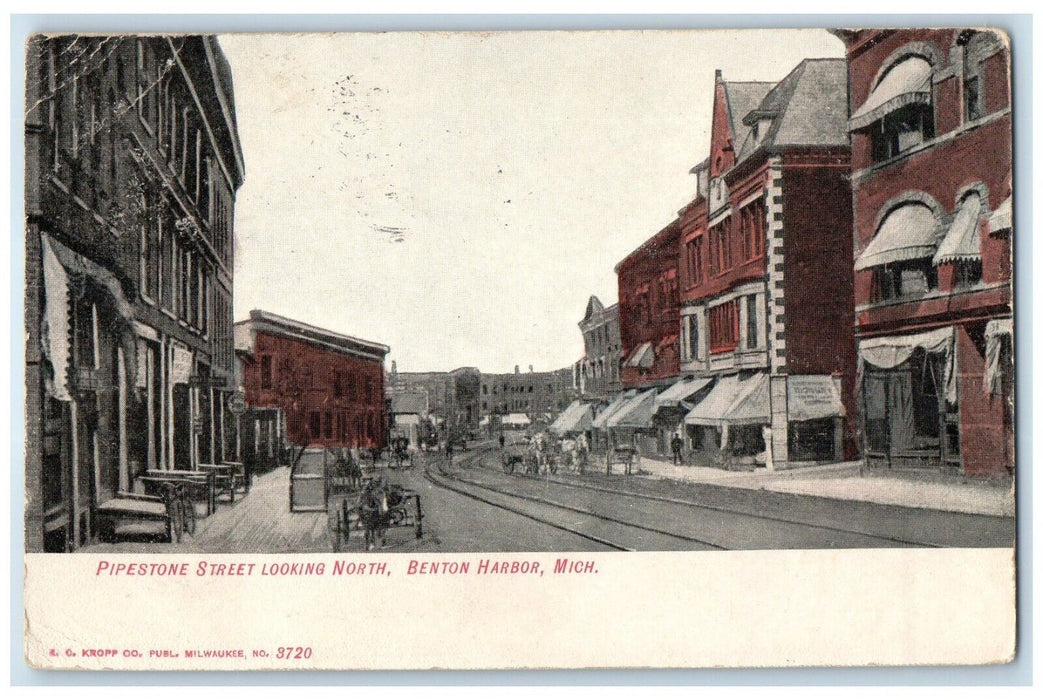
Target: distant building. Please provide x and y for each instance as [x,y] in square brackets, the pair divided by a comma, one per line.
[648,310]
[462,412]
[408,411]
[598,373]
[331,386]
[432,383]
[536,394]
[132,164]
[931,158]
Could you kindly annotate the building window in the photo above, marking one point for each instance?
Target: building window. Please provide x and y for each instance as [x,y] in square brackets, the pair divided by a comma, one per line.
[907,279]
[314,424]
[724,327]
[751,321]
[752,222]
[902,130]
[972,98]
[266,371]
[967,273]
[694,349]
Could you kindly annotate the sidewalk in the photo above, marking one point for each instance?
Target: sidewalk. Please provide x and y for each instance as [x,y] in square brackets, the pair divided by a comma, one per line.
[842,481]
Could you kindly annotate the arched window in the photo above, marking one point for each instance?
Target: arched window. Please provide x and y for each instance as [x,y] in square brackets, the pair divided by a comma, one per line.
[899,112]
[901,251]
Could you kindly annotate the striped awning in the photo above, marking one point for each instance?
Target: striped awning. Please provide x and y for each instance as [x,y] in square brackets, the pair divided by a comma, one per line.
[635,413]
[909,232]
[908,82]
[601,419]
[962,241]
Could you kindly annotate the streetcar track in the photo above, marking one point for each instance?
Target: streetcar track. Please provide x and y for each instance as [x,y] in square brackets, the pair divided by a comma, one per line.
[717,508]
[590,513]
[463,492]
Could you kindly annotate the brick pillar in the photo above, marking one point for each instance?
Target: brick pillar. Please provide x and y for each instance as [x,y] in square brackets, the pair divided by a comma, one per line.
[775,254]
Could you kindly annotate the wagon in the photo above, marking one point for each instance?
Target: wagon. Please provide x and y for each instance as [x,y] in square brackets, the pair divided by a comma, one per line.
[626,455]
[375,509]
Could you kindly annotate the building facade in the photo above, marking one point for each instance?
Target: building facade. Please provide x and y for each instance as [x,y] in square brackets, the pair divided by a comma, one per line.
[598,374]
[649,306]
[432,383]
[766,298]
[132,167]
[931,157]
[462,402]
[536,394]
[330,386]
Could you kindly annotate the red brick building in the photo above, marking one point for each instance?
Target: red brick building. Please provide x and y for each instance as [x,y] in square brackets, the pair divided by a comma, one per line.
[931,157]
[766,298]
[331,386]
[648,310]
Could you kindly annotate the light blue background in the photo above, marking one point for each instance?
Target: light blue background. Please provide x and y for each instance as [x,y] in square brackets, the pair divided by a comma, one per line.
[1019,27]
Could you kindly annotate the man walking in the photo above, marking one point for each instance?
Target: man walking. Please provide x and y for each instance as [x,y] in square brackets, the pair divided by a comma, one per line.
[675,446]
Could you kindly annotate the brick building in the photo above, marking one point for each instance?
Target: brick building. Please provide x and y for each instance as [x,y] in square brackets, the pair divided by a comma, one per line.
[330,386]
[132,166]
[536,394]
[766,298]
[931,157]
[598,374]
[648,310]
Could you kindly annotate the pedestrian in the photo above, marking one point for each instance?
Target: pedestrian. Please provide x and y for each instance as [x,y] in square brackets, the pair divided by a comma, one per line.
[449,451]
[675,446]
[502,440]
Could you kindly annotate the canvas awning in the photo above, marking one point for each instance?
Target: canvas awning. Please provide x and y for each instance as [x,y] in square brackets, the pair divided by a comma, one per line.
[734,401]
[613,406]
[716,403]
[643,356]
[887,352]
[908,82]
[962,241]
[516,419]
[635,413]
[574,419]
[752,403]
[59,265]
[907,233]
[483,422]
[681,391]
[809,397]
[994,329]
[1001,219]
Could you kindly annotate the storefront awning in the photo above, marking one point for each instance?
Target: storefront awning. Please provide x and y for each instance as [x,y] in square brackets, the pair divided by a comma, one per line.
[994,329]
[1001,219]
[710,410]
[574,419]
[635,413]
[613,406]
[962,241]
[809,397]
[908,82]
[887,352]
[752,403]
[516,419]
[59,265]
[643,356]
[681,391]
[907,233]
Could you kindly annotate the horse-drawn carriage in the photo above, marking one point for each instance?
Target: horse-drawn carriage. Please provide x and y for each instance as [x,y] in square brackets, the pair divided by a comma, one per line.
[399,455]
[626,455]
[374,509]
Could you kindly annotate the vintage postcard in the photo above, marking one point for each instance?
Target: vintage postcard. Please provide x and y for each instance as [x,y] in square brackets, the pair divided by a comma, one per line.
[616,349]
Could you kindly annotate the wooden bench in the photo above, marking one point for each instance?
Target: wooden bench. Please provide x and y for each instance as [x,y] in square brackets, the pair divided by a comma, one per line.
[240,473]
[194,481]
[136,506]
[225,478]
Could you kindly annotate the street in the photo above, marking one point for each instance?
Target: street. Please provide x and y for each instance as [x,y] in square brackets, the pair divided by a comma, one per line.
[474,507]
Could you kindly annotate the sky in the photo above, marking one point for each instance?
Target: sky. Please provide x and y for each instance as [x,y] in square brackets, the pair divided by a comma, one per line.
[459,196]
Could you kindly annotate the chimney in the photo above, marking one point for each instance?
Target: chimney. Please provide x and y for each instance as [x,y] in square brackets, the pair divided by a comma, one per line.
[517,369]
[530,369]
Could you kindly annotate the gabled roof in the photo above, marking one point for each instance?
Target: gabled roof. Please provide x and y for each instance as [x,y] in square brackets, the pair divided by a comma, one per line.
[742,97]
[594,306]
[806,108]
